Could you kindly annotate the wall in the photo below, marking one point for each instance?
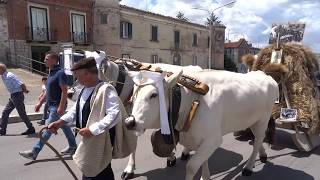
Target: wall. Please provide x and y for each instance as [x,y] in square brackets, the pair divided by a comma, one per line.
[141,47]
[4,43]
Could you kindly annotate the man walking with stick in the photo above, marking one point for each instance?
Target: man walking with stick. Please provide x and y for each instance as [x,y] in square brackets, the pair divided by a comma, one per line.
[96,113]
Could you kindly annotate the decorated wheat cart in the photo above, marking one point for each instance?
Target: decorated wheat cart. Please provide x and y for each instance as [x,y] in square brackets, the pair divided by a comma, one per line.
[299,90]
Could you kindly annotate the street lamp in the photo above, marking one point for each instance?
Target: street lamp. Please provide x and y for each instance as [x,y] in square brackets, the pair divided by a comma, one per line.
[211,25]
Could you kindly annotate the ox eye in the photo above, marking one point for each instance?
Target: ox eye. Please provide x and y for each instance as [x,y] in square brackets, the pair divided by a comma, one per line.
[153,95]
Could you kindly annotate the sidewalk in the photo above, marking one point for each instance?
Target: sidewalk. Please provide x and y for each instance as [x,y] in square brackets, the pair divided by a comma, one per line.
[33,83]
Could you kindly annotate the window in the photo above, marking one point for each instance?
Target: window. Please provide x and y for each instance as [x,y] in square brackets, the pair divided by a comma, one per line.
[78,28]
[208,45]
[154,33]
[39,24]
[154,59]
[125,56]
[177,59]
[195,40]
[194,60]
[176,39]
[103,18]
[125,30]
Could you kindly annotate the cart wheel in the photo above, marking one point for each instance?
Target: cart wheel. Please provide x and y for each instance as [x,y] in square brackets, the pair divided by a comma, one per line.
[306,142]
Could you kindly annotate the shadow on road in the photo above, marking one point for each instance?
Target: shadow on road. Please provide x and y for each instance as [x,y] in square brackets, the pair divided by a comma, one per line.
[222,160]
[271,172]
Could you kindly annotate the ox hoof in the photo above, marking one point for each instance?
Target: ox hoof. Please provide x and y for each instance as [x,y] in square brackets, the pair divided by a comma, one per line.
[171,163]
[246,172]
[126,175]
[184,157]
[263,159]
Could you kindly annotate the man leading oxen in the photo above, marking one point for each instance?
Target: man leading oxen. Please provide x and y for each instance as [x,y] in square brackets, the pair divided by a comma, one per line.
[118,75]
[234,102]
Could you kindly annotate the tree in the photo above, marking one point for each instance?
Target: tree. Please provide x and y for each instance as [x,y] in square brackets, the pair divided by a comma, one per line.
[212,19]
[181,16]
[229,65]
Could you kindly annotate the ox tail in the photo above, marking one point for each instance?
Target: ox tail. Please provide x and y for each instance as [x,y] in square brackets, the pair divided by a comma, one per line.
[270,132]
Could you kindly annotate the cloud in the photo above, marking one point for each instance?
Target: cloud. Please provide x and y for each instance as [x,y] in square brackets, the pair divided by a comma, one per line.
[250,19]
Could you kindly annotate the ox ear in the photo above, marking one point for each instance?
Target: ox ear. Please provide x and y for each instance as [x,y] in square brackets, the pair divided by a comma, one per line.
[172,78]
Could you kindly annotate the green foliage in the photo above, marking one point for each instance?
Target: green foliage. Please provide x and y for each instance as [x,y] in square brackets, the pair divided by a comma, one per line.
[229,65]
[181,16]
[212,19]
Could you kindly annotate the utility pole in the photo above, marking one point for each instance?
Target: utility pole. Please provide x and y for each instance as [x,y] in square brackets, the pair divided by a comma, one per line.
[211,28]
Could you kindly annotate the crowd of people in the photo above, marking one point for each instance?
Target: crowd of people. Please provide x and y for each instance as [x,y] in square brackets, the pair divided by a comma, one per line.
[54,98]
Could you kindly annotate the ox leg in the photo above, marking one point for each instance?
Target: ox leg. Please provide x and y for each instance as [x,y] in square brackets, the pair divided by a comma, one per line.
[185,155]
[171,161]
[205,171]
[128,172]
[202,155]
[258,129]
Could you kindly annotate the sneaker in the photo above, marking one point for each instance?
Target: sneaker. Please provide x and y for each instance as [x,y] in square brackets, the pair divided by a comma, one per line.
[41,122]
[68,150]
[29,131]
[28,154]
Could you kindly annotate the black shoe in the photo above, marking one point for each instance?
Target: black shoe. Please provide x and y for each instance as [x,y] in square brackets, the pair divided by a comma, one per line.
[2,133]
[29,131]
[41,122]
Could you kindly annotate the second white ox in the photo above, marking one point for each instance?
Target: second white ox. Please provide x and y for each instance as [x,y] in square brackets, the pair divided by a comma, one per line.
[235,101]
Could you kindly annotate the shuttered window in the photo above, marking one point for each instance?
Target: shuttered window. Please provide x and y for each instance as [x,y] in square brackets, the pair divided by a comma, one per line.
[125,30]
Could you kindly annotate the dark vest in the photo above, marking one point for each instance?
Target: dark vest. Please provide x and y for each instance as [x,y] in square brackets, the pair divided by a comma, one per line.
[85,115]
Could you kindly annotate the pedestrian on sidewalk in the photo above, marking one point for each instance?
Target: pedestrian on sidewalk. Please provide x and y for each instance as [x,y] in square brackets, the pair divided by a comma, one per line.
[43,95]
[16,89]
[94,160]
[56,98]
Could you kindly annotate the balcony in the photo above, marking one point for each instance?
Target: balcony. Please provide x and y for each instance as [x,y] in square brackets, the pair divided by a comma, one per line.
[42,35]
[81,38]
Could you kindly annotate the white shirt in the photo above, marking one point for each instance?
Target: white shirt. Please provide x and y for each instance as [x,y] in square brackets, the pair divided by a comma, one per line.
[112,111]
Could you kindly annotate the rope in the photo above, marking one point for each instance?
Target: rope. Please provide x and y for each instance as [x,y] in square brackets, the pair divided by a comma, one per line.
[56,152]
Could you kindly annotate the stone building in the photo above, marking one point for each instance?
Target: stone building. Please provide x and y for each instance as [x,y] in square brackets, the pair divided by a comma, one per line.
[131,33]
[36,26]
[235,50]
[4,36]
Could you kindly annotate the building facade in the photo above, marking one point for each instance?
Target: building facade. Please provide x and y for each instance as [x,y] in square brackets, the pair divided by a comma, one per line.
[235,50]
[36,26]
[132,33]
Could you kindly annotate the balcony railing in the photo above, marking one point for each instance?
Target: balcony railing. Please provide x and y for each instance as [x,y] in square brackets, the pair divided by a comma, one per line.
[81,37]
[41,34]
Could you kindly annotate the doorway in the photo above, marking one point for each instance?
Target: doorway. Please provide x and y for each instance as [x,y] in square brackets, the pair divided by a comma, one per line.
[38,55]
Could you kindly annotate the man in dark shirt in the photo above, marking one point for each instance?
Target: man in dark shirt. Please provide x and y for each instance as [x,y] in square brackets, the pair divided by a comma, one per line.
[56,97]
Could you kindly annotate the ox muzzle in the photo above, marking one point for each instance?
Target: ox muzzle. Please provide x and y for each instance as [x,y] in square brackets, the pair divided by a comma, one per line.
[130,122]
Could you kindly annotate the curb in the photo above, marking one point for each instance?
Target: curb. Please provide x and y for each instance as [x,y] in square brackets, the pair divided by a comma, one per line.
[17,119]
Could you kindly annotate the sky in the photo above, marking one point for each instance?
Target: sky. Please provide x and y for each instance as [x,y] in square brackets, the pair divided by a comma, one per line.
[249,19]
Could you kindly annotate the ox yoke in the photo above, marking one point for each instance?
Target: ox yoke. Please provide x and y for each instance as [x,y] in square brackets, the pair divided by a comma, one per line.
[234,100]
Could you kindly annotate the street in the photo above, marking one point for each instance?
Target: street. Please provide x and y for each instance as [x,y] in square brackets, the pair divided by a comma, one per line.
[284,161]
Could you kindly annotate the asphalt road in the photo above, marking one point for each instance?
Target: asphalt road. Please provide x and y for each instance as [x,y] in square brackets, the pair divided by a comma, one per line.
[284,161]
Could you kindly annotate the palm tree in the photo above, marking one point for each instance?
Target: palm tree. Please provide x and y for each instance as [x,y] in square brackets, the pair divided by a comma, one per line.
[181,16]
[212,19]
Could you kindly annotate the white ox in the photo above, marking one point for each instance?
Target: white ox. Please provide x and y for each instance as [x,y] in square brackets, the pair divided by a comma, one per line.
[109,71]
[234,102]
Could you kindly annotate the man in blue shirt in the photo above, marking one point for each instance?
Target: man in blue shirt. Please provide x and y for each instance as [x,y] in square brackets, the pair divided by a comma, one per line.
[56,98]
[16,89]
